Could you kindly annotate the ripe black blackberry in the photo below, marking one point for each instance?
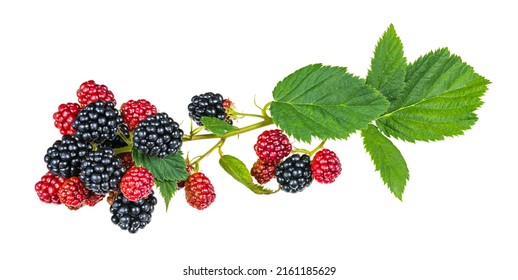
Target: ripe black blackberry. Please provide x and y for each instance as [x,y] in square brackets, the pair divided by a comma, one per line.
[207,105]
[97,122]
[64,157]
[132,216]
[294,174]
[101,171]
[158,135]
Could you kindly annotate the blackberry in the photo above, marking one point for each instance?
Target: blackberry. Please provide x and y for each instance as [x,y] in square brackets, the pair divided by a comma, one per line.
[73,193]
[272,146]
[132,216]
[101,171]
[64,117]
[137,183]
[90,92]
[158,135]
[199,191]
[47,188]
[64,157]
[263,172]
[294,174]
[207,105]
[326,166]
[135,111]
[97,122]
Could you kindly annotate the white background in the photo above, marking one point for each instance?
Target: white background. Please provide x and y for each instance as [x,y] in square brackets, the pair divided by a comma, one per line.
[459,218]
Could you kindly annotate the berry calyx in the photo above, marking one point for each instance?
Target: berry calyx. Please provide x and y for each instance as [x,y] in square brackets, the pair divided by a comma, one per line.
[294,174]
[90,92]
[326,166]
[73,193]
[135,111]
[47,188]
[263,172]
[137,183]
[272,146]
[207,105]
[158,135]
[64,117]
[199,191]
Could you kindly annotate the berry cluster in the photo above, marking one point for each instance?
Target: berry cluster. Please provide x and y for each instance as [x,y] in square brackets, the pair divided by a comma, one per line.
[94,158]
[297,171]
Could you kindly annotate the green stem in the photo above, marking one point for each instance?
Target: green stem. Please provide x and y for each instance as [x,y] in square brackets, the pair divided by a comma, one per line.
[126,149]
[124,138]
[197,160]
[265,109]
[317,148]
[267,121]
[312,152]
[247,115]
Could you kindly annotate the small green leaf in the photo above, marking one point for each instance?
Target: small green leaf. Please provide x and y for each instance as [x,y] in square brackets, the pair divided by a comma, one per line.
[439,100]
[237,169]
[170,168]
[388,66]
[217,126]
[167,190]
[387,159]
[324,102]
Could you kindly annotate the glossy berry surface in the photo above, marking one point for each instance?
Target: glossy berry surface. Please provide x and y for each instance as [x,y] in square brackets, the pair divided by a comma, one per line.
[272,146]
[64,157]
[97,122]
[199,191]
[325,166]
[207,105]
[47,188]
[263,172]
[132,215]
[294,174]
[89,92]
[135,111]
[73,192]
[64,117]
[158,135]
[137,183]
[101,171]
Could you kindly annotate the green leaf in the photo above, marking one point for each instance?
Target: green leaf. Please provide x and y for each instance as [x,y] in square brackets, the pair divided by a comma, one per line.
[388,66]
[217,126]
[324,102]
[167,190]
[439,99]
[170,168]
[387,159]
[237,169]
